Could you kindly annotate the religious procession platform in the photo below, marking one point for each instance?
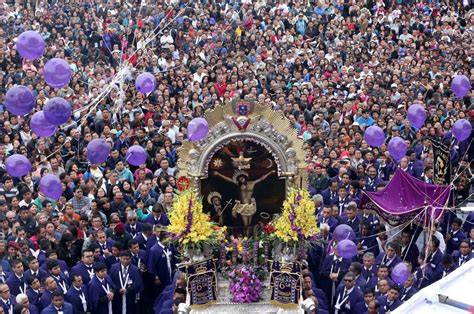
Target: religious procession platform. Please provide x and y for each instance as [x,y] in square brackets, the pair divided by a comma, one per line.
[224,305]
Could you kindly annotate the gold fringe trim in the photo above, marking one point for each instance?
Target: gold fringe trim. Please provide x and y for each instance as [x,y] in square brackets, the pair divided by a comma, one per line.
[284,306]
[202,306]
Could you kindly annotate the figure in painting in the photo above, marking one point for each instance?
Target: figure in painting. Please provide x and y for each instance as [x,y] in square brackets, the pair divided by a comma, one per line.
[217,210]
[246,206]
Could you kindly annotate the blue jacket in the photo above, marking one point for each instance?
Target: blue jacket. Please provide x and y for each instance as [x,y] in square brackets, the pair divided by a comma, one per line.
[50,309]
[348,305]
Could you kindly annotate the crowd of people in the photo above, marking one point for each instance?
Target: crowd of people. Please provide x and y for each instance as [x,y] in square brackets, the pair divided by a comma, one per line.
[333,68]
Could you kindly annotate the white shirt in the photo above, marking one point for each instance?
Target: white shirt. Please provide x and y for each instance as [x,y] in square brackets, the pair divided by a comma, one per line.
[423,239]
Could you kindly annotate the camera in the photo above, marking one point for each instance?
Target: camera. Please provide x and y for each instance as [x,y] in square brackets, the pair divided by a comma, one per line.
[308,305]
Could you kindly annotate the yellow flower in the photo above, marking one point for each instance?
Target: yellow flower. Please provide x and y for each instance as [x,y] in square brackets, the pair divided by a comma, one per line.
[304,212]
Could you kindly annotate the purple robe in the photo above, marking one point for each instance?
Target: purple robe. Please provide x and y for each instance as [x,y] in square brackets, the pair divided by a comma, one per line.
[40,274]
[142,242]
[138,228]
[16,285]
[45,300]
[162,220]
[84,271]
[74,296]
[62,265]
[33,296]
[111,260]
[66,309]
[61,282]
[108,245]
[133,284]
[158,266]
[5,306]
[99,304]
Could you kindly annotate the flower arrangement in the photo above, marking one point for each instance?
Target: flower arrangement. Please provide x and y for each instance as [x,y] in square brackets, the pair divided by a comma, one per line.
[245,286]
[298,219]
[189,225]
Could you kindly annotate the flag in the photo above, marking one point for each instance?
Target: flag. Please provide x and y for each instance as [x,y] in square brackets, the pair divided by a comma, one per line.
[442,163]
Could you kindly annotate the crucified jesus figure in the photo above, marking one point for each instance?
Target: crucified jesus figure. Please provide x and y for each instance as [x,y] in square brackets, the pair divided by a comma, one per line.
[246,206]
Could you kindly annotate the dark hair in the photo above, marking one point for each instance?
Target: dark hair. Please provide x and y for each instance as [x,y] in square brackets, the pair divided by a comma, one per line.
[383,266]
[74,276]
[180,291]
[15,262]
[369,291]
[57,293]
[466,241]
[132,242]
[357,267]
[118,245]
[6,178]
[125,253]
[30,280]
[87,250]
[31,258]
[146,227]
[49,252]
[456,221]
[395,287]
[447,260]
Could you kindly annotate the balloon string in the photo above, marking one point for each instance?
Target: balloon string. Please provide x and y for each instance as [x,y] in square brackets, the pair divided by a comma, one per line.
[148,40]
[402,227]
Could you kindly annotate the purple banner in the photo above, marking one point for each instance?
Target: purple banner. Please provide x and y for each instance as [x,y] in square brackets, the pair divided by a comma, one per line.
[406,198]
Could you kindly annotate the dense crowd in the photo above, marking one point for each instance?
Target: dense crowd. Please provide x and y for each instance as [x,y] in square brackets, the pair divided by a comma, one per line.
[333,67]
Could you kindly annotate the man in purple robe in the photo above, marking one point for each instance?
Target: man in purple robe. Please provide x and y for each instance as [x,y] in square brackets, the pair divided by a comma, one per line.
[77,294]
[34,270]
[7,301]
[55,272]
[58,305]
[86,267]
[101,291]
[16,281]
[128,281]
[50,286]
[160,264]
[53,255]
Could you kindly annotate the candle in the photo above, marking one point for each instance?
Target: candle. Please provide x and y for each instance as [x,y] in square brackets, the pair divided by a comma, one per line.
[244,250]
[234,252]
[266,250]
[255,251]
[222,255]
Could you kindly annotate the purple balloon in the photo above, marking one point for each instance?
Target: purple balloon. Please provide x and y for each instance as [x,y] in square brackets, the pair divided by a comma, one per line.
[40,126]
[346,249]
[344,232]
[97,151]
[30,45]
[136,155]
[374,136]
[397,147]
[462,129]
[416,115]
[145,83]
[400,273]
[460,85]
[197,129]
[17,165]
[57,111]
[57,73]
[19,100]
[50,186]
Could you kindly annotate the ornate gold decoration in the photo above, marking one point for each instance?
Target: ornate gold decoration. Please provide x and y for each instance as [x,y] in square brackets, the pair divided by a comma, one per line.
[267,127]
[218,163]
[241,162]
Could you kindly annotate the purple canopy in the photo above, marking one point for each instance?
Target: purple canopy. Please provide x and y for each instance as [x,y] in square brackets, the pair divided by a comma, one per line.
[405,197]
